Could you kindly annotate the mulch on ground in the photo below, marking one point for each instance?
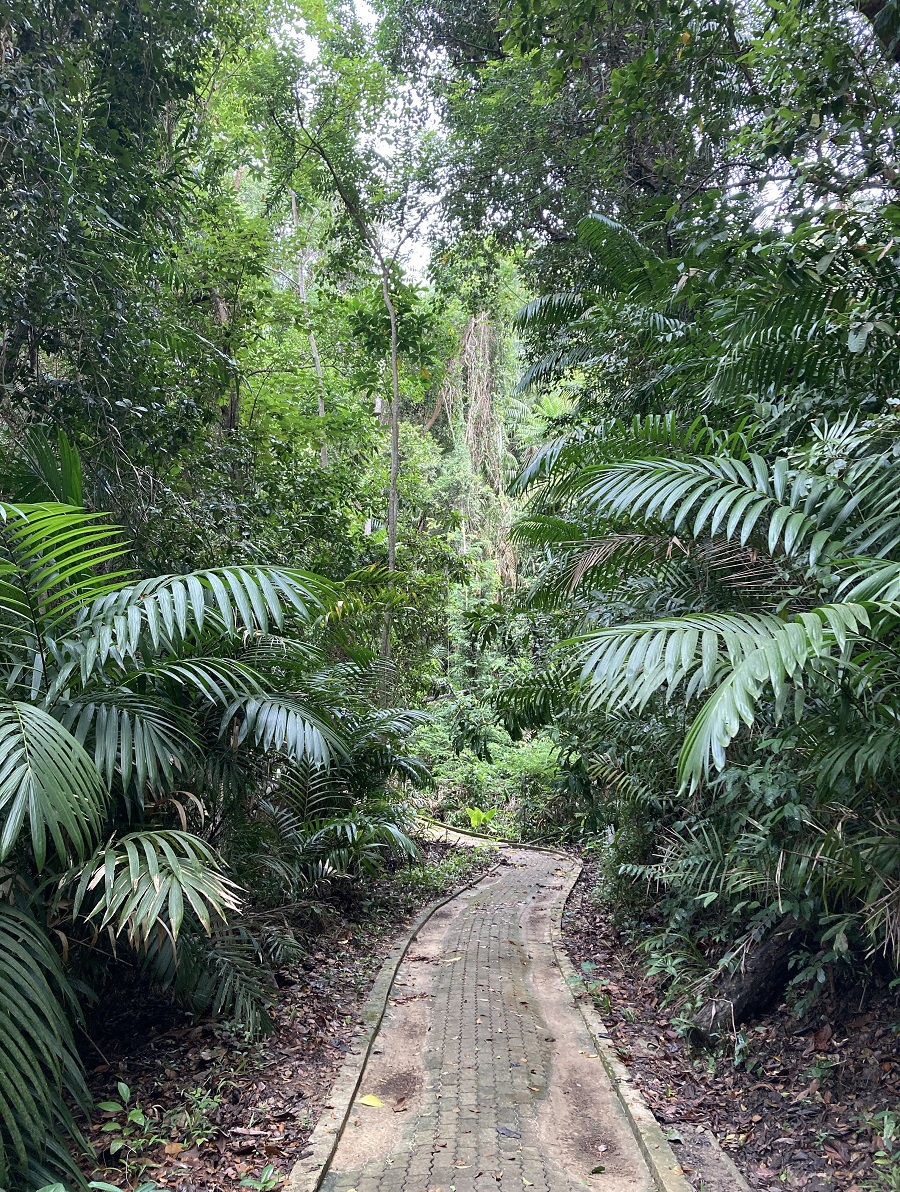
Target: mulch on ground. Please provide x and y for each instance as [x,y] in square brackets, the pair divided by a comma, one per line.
[220,1112]
[798,1113]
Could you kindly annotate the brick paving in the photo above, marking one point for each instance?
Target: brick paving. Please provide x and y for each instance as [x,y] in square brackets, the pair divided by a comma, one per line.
[487,1062]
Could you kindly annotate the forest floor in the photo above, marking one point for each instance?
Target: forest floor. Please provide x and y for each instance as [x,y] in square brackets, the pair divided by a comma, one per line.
[210,1111]
[798,1111]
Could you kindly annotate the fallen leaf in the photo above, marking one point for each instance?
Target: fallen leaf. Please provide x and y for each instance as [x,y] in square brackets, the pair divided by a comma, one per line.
[822,1036]
[371,1099]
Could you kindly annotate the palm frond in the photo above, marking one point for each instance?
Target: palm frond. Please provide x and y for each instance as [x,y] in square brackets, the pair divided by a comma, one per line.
[739,655]
[553,309]
[145,881]
[49,560]
[40,1072]
[225,973]
[48,780]
[627,265]
[134,736]
[285,724]
[234,599]
[712,495]
[44,468]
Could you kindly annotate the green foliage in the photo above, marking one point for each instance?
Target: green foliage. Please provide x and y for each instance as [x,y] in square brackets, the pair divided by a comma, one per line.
[745,575]
[198,743]
[267,1180]
[131,704]
[710,529]
[134,1130]
[40,1071]
[479,818]
[430,880]
[672,636]
[886,1159]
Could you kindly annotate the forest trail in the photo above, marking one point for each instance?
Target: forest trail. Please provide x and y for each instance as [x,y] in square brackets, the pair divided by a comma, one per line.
[483,1075]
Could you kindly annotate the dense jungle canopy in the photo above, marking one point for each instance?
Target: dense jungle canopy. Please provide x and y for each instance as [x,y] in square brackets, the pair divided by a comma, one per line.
[481,407]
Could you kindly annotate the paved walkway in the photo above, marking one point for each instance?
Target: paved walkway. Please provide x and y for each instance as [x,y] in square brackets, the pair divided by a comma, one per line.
[483,1074]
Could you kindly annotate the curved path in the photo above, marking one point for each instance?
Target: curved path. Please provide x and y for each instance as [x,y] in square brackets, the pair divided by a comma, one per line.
[483,1075]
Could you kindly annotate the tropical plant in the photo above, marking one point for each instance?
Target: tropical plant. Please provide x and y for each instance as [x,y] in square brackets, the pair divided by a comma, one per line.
[748,576]
[138,718]
[479,818]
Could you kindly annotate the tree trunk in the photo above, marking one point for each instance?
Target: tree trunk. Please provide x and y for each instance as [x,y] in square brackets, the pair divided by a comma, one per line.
[351,202]
[34,353]
[884,16]
[393,497]
[754,987]
[10,349]
[393,502]
[307,319]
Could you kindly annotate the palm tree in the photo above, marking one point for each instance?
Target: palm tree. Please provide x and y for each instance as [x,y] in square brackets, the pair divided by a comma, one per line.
[142,721]
[749,576]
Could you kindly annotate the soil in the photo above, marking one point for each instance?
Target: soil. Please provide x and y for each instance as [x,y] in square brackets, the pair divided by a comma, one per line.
[223,1112]
[796,1113]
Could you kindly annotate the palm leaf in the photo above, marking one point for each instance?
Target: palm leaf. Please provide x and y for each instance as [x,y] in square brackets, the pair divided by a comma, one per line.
[285,724]
[40,1072]
[232,599]
[140,736]
[47,779]
[147,880]
[738,654]
[49,556]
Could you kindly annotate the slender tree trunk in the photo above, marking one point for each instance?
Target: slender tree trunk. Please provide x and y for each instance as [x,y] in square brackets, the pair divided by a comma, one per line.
[307,319]
[34,353]
[394,477]
[370,238]
[393,500]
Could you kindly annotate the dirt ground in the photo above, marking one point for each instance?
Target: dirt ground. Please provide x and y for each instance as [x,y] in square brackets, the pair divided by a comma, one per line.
[221,1112]
[797,1113]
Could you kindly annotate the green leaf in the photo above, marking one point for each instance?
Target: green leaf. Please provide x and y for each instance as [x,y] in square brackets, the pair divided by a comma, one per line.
[39,1066]
[48,780]
[143,882]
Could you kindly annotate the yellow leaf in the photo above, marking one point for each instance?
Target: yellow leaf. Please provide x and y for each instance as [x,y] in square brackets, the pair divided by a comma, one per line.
[371,1099]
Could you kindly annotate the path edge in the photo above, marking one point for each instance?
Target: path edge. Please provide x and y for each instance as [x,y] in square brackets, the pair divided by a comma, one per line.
[664,1167]
[307,1174]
